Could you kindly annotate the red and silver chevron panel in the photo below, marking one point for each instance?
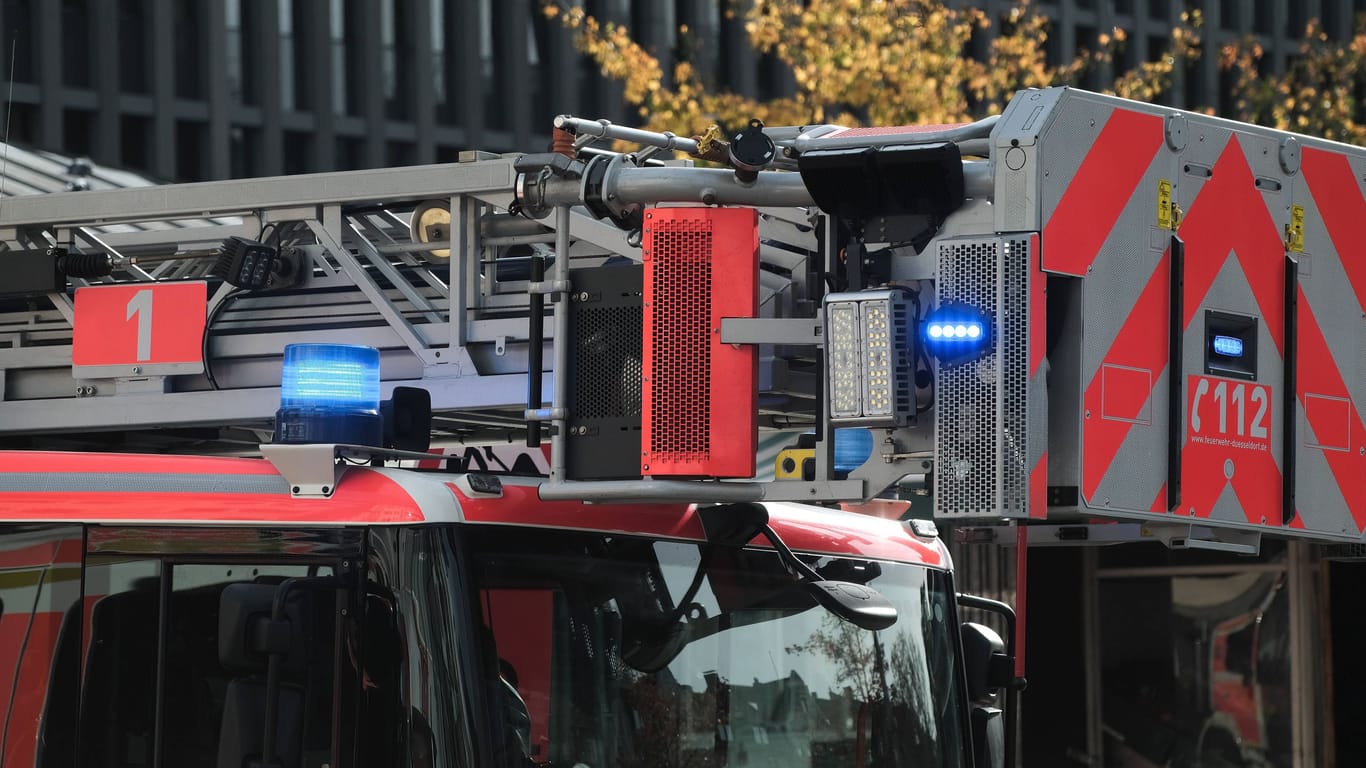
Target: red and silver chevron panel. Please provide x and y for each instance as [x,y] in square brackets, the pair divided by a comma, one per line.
[1178,229]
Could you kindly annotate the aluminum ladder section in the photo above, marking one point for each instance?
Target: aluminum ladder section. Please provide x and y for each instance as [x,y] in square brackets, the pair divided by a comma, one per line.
[455,325]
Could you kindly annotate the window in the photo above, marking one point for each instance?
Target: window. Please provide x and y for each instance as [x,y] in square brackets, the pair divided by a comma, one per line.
[164,686]
[615,651]
[40,579]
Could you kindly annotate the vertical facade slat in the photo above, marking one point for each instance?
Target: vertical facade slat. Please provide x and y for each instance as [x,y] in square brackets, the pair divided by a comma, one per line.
[163,90]
[611,100]
[318,54]
[1209,65]
[1105,21]
[265,46]
[1279,48]
[370,84]
[419,19]
[565,94]
[701,18]
[108,125]
[1346,19]
[1176,96]
[1067,28]
[49,42]
[740,64]
[653,23]
[465,74]
[512,68]
[220,149]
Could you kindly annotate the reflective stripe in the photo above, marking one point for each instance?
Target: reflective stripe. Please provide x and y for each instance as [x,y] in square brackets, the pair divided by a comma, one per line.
[140,482]
[362,496]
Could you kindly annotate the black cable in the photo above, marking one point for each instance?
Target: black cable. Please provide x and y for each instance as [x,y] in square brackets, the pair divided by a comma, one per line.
[208,333]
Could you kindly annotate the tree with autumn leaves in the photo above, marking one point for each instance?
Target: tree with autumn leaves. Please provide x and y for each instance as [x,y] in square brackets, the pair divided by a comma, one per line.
[901,62]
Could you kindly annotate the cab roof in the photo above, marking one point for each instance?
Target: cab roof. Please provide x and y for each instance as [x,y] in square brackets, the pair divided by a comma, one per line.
[139,489]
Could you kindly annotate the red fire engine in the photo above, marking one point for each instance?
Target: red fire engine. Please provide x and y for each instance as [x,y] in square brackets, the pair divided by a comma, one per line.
[1085,308]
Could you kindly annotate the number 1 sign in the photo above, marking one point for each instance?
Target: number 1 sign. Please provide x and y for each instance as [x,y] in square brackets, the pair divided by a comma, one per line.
[129,331]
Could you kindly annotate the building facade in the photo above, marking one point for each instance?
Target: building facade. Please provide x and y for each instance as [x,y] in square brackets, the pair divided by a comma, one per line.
[190,90]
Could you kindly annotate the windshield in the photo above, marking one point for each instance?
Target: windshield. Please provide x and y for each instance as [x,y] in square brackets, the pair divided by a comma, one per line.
[617,651]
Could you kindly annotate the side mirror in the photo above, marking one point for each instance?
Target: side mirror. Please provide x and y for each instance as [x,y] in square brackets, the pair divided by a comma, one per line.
[985,660]
[988,669]
[864,607]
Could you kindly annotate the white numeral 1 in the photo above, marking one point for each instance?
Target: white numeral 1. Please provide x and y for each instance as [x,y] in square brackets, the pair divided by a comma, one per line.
[141,305]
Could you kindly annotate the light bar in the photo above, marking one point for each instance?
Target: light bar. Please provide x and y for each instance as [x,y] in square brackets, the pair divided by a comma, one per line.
[956,333]
[1228,346]
[329,393]
[868,358]
[843,359]
[255,266]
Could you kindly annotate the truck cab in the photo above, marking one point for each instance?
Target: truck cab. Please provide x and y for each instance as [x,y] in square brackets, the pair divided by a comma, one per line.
[187,611]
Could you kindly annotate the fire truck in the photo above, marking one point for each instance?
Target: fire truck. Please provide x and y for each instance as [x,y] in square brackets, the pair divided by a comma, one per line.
[226,540]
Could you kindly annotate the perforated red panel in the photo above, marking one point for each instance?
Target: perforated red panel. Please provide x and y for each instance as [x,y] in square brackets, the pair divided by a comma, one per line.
[700,397]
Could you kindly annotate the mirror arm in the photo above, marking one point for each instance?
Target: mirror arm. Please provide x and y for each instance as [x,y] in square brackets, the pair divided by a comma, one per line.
[799,570]
[1016,685]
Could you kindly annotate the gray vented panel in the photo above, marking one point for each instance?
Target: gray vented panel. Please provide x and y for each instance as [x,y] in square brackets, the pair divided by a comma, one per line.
[607,361]
[981,414]
[1355,552]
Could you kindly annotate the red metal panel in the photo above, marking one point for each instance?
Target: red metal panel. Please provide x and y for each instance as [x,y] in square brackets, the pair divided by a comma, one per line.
[1038,488]
[35,667]
[700,397]
[804,528]
[1102,186]
[43,462]
[1038,345]
[1038,308]
[139,325]
[362,496]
